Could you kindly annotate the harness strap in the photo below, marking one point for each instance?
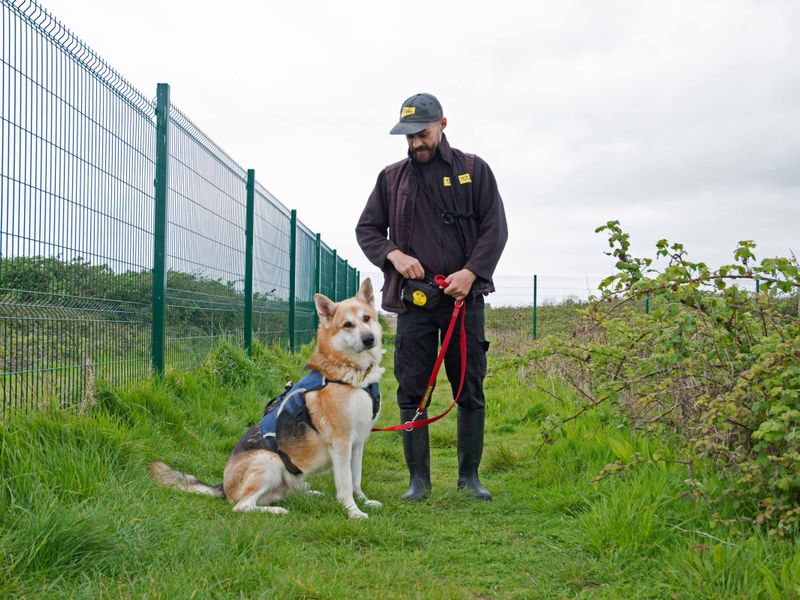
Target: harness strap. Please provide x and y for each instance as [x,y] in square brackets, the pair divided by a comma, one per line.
[459,309]
[287,462]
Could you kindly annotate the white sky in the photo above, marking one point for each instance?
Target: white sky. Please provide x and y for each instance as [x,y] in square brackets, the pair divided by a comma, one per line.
[679,118]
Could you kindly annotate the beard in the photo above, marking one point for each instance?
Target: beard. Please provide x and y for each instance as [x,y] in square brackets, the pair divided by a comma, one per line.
[423,154]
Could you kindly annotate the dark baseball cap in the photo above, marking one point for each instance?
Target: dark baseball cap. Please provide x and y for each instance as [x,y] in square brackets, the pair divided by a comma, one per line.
[416,113]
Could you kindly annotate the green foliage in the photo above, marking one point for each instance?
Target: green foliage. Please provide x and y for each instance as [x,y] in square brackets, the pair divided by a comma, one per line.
[715,362]
[81,519]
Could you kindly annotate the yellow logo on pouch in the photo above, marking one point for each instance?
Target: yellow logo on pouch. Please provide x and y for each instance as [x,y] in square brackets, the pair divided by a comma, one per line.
[408,111]
[465,178]
[419,298]
[446,181]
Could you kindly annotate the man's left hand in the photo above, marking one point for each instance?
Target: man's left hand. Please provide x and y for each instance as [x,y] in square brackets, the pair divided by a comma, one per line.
[460,283]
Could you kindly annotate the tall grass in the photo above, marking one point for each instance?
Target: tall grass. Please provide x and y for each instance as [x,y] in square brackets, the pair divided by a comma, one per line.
[79,517]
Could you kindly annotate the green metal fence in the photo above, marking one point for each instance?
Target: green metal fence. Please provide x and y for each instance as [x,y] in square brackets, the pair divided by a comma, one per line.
[104,274]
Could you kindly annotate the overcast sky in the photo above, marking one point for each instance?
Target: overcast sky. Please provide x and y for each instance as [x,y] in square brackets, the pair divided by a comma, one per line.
[680,119]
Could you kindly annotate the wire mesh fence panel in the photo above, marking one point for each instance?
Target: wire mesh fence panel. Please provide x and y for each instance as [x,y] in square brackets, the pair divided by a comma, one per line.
[270,269]
[305,286]
[205,245]
[352,281]
[558,301]
[327,278]
[341,279]
[81,222]
[76,173]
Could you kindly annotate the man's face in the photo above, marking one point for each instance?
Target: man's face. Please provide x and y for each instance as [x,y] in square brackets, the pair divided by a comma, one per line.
[423,145]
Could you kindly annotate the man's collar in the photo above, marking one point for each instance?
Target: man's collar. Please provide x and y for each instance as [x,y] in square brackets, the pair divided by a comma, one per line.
[445,151]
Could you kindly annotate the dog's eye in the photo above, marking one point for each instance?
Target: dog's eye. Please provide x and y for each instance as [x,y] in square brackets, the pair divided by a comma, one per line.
[366,318]
[347,325]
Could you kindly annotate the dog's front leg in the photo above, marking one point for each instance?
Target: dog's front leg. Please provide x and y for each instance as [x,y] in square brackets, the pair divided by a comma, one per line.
[341,457]
[355,466]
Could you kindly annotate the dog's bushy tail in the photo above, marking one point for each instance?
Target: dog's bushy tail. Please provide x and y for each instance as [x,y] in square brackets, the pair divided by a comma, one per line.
[166,475]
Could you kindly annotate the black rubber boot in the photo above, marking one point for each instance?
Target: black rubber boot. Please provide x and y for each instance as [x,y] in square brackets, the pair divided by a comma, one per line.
[418,457]
[470,449]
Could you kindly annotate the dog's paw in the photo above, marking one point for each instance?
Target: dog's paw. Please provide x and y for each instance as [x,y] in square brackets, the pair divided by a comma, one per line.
[372,503]
[357,514]
[276,510]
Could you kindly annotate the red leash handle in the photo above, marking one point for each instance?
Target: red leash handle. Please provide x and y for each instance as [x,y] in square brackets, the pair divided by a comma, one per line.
[416,422]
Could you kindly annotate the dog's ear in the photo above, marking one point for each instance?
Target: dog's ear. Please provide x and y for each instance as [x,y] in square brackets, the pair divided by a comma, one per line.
[365,292]
[325,307]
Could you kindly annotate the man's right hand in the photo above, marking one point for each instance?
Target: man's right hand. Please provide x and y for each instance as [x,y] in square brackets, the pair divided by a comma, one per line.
[408,266]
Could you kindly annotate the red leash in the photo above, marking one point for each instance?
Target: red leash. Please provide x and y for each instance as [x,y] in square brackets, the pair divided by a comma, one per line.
[416,422]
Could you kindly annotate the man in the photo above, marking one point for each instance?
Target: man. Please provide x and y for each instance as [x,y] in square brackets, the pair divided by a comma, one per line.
[444,216]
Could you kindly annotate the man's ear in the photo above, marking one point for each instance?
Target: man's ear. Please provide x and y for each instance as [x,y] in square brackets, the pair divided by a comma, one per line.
[443,123]
[365,293]
[325,307]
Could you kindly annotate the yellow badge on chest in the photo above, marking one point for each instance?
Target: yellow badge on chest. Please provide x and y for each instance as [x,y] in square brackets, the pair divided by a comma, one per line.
[419,298]
[446,181]
[465,178]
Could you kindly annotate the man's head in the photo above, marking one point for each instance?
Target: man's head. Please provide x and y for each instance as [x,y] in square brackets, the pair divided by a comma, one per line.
[422,122]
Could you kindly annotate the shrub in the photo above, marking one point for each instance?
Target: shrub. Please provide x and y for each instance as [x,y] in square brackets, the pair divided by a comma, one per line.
[716,362]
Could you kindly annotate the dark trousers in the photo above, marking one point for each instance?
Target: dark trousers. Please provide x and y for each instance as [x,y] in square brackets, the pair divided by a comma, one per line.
[416,345]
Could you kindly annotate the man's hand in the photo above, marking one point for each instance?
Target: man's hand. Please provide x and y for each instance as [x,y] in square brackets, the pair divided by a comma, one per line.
[408,266]
[460,283]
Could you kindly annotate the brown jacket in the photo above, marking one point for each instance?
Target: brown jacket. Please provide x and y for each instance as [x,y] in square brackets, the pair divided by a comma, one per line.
[391,206]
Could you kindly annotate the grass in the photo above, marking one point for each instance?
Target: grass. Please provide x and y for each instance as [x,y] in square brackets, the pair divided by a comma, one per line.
[79,518]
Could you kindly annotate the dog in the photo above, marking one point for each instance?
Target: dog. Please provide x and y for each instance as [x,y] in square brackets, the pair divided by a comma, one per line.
[340,417]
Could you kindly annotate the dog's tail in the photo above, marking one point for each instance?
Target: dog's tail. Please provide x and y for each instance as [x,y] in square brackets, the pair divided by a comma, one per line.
[166,475]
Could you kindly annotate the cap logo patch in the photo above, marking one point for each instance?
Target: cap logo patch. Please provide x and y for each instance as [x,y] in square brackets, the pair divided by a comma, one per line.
[408,111]
[446,181]
[465,178]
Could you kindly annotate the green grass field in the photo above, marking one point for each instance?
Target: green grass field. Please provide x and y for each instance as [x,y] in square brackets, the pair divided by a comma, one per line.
[79,518]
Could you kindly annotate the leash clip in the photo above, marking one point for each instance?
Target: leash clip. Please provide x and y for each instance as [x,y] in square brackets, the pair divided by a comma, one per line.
[408,424]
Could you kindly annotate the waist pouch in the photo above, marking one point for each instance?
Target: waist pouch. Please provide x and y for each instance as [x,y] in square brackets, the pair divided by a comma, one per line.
[421,293]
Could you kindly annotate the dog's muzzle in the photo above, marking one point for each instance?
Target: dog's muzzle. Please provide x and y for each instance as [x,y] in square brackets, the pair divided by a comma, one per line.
[368,341]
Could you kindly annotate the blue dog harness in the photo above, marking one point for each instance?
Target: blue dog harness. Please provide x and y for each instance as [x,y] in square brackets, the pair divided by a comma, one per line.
[293,403]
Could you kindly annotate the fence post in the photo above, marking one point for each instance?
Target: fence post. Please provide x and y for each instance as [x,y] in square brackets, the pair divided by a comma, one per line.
[647,304]
[358,279]
[317,279]
[248,262]
[335,267]
[534,306]
[292,274]
[158,343]
[758,286]
[347,281]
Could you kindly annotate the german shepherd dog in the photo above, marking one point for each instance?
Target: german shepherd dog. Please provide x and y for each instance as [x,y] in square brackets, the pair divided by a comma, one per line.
[348,355]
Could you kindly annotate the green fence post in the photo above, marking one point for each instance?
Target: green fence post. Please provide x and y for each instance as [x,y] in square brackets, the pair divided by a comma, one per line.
[534,306]
[160,228]
[335,272]
[758,286]
[358,279]
[292,274]
[248,262]
[647,304]
[317,278]
[347,281]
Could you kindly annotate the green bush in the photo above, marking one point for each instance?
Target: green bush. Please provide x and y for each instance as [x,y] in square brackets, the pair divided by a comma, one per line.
[715,362]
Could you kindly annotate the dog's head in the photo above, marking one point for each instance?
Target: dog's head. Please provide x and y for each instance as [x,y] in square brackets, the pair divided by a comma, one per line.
[350,326]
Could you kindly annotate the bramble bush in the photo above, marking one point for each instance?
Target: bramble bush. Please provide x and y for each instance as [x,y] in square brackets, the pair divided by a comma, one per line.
[713,361]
